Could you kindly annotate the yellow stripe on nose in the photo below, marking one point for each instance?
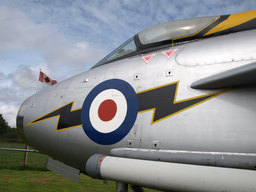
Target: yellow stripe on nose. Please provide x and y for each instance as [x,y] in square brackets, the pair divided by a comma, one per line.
[233,21]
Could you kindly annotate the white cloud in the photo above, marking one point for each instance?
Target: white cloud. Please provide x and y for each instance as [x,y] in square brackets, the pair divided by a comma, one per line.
[25,77]
[9,94]
[2,76]
[15,88]
[81,55]
[18,31]
[11,97]
[9,113]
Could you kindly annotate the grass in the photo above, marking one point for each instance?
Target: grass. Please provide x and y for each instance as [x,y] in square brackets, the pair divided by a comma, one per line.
[4,144]
[36,177]
[13,180]
[14,160]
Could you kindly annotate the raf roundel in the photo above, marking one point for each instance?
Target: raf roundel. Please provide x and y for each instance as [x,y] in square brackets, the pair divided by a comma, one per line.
[109,111]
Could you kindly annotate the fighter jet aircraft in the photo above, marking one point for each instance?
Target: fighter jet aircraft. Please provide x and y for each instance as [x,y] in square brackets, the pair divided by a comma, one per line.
[173,108]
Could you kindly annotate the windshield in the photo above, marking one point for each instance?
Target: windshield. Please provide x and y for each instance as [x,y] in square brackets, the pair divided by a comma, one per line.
[126,48]
[174,29]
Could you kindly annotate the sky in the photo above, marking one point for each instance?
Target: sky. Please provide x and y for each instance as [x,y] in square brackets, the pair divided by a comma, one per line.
[67,37]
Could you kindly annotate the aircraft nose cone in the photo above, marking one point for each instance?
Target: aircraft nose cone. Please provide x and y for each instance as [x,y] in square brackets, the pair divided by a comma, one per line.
[20,123]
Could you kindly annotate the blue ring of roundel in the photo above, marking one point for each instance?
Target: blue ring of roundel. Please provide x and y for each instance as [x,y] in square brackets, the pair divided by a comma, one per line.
[131,115]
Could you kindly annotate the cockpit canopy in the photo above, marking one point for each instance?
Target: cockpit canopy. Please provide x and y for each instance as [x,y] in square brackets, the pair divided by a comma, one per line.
[174,30]
[166,31]
[178,32]
[125,49]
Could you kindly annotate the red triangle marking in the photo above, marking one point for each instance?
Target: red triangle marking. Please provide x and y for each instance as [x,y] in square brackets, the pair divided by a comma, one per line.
[168,54]
[148,57]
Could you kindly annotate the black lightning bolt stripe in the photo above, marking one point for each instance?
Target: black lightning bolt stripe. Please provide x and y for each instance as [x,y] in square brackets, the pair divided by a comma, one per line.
[68,118]
[162,100]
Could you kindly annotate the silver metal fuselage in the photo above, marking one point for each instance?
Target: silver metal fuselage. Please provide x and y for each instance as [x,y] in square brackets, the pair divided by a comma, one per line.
[225,123]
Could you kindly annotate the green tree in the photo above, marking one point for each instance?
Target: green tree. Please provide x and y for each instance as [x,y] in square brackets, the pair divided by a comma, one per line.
[11,134]
[3,126]
[7,133]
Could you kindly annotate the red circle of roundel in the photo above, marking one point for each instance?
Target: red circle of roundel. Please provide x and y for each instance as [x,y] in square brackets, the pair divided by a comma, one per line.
[107,110]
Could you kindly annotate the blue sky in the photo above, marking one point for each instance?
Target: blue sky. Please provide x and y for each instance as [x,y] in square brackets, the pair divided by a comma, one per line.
[64,38]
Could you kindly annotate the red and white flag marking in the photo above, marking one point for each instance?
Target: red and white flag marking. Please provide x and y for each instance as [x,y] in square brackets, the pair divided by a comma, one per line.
[45,79]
